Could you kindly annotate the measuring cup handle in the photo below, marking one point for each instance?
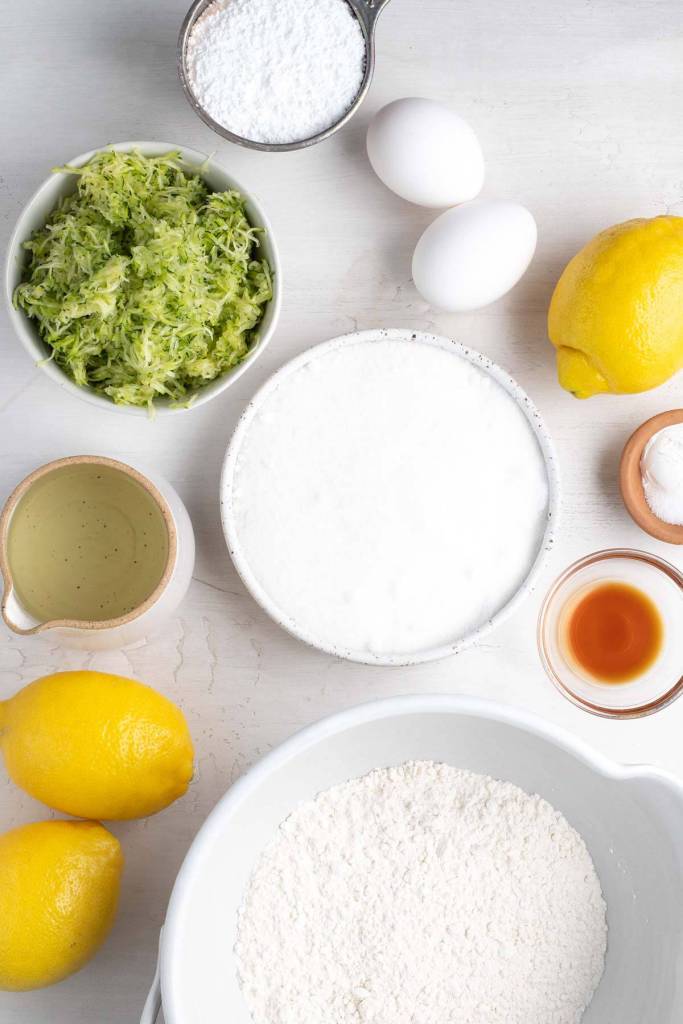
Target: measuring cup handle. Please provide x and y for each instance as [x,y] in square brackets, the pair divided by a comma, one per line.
[369,11]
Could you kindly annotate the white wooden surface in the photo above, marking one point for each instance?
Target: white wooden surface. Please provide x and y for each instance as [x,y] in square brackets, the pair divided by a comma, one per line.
[577,105]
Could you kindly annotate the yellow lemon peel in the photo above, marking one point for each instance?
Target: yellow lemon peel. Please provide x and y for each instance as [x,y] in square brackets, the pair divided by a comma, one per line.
[615,315]
[96,745]
[59,887]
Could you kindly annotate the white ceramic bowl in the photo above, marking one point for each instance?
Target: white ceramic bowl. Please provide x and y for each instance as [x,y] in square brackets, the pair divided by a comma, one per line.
[34,216]
[508,383]
[630,817]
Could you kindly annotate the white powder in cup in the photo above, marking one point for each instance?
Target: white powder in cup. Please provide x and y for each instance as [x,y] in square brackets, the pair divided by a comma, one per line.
[276,71]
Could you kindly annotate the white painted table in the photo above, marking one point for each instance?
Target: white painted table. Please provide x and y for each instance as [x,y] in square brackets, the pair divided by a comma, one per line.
[577,105]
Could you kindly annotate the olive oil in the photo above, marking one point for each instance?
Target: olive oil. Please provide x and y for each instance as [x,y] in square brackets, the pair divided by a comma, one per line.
[613,632]
[86,542]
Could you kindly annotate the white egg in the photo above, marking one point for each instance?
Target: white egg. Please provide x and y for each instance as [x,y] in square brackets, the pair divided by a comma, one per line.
[470,256]
[425,153]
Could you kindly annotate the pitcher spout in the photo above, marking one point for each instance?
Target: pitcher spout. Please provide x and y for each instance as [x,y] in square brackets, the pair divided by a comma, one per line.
[16,617]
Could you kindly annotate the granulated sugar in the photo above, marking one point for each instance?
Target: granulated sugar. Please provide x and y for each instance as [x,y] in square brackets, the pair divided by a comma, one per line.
[276,71]
[422,894]
[388,497]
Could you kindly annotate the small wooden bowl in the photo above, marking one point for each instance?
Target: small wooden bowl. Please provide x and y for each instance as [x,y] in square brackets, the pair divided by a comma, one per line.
[631,484]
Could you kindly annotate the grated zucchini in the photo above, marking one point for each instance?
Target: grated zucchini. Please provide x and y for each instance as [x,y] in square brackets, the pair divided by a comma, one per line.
[144,283]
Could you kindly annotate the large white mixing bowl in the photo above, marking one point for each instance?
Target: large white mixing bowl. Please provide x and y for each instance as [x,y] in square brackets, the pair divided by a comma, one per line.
[630,817]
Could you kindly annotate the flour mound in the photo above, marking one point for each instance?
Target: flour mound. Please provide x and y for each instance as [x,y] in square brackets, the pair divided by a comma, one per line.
[422,894]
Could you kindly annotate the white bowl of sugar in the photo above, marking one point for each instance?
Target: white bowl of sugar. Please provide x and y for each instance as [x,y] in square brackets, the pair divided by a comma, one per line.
[389,496]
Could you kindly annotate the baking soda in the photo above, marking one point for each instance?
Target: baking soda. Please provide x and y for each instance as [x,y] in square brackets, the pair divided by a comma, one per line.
[662,474]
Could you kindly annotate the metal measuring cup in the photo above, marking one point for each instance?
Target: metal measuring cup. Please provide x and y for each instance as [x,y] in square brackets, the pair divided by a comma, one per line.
[366,12]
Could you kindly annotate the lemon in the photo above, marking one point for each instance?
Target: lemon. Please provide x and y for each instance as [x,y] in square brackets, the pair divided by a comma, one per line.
[59,886]
[615,316]
[96,745]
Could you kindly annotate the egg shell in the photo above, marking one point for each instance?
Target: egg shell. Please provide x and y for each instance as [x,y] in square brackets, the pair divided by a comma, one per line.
[425,153]
[474,254]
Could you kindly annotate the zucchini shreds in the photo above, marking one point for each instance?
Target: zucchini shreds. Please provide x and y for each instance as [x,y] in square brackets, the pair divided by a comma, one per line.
[143,283]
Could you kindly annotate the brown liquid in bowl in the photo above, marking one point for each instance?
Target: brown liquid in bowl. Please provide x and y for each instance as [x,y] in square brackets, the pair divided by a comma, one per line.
[614,632]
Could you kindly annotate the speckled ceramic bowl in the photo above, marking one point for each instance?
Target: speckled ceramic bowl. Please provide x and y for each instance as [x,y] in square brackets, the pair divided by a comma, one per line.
[459,642]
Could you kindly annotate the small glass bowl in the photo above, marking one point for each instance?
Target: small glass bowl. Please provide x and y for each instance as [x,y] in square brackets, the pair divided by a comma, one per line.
[662,683]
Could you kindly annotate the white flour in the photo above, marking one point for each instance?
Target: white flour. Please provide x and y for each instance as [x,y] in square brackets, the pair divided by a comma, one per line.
[389,497]
[422,894]
[276,70]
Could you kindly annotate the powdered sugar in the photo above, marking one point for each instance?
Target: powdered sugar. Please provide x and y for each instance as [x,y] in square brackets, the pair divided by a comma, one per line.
[276,71]
[422,894]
